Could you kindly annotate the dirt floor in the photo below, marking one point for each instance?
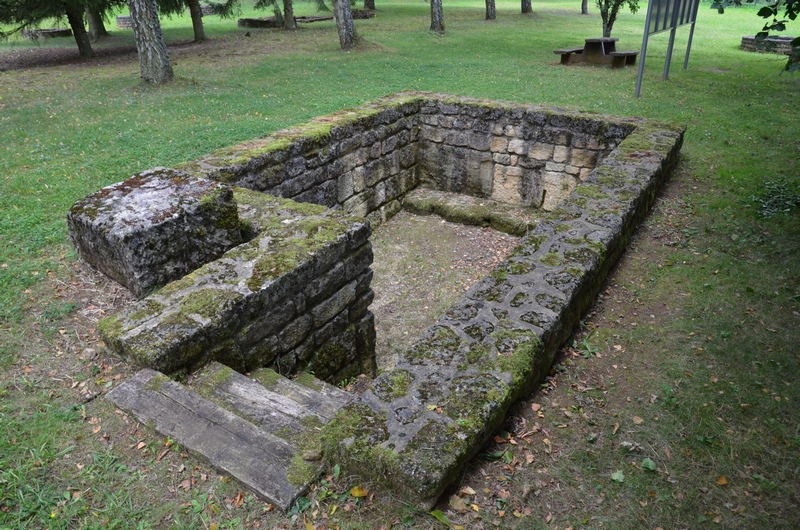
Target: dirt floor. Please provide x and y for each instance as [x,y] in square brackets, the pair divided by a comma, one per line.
[423,265]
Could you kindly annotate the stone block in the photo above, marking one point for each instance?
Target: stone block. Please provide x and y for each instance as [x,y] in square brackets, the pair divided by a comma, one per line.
[499,145]
[560,154]
[557,187]
[517,146]
[541,151]
[479,142]
[500,158]
[334,305]
[154,228]
[345,186]
[507,185]
[583,158]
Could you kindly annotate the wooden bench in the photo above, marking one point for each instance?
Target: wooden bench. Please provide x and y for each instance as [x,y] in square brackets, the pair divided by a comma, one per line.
[566,53]
[621,59]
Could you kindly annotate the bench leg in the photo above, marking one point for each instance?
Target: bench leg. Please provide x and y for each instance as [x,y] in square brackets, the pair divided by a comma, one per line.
[617,62]
[630,60]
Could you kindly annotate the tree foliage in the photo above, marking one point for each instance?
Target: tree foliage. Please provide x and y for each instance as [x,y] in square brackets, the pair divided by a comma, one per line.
[774,22]
[22,14]
[609,9]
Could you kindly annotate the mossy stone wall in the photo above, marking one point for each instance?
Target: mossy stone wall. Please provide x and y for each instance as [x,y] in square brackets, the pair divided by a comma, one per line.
[294,297]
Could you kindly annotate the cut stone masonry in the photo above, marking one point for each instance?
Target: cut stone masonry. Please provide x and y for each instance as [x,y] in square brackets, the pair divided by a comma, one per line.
[573,185]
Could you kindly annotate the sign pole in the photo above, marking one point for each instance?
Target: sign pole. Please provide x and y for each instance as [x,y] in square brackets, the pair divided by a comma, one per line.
[669,52]
[691,34]
[644,49]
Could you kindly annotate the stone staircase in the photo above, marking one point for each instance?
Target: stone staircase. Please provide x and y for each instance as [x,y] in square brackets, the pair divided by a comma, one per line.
[261,429]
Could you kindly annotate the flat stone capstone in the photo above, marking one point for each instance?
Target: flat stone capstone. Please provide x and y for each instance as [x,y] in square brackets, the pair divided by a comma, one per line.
[154,227]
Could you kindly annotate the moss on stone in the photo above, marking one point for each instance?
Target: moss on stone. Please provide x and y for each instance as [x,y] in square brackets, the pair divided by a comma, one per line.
[156,382]
[302,471]
[440,346]
[392,385]
[148,308]
[353,439]
[308,380]
[111,328]
[552,259]
[588,190]
[266,376]
[208,302]
[522,360]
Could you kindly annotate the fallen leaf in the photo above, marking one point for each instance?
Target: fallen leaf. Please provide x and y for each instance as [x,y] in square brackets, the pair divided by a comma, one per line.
[648,464]
[239,499]
[359,492]
[548,518]
[548,446]
[717,519]
[637,420]
[618,476]
[518,514]
[441,517]
[141,445]
[458,504]
[466,490]
[309,526]
[186,484]
[722,480]
[616,428]
[535,407]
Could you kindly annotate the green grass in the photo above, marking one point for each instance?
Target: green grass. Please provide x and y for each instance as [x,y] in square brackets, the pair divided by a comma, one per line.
[728,273]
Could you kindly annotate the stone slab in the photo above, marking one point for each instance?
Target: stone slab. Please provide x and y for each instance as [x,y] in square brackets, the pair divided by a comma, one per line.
[154,227]
[511,219]
[283,405]
[259,460]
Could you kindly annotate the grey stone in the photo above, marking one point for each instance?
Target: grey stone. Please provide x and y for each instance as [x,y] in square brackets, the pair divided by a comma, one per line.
[154,227]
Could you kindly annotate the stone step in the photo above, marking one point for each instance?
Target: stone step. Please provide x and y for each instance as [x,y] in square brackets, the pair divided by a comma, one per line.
[258,435]
[512,219]
[269,400]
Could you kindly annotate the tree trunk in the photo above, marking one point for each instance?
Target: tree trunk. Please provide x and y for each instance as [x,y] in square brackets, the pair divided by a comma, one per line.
[584,7]
[197,20]
[75,18]
[344,23]
[288,15]
[97,27]
[437,16]
[526,6]
[369,4]
[491,10]
[153,58]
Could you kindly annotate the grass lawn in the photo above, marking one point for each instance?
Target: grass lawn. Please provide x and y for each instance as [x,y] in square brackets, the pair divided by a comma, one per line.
[676,404]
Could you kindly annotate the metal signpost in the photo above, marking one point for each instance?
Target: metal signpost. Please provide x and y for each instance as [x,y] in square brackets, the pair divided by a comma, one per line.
[663,15]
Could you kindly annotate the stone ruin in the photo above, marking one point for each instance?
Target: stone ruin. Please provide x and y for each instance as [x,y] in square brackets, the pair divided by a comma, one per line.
[292,293]
[779,44]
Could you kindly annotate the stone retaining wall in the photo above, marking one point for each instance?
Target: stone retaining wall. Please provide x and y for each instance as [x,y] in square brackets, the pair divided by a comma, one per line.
[303,303]
[365,160]
[295,297]
[517,155]
[362,161]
